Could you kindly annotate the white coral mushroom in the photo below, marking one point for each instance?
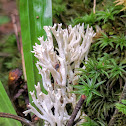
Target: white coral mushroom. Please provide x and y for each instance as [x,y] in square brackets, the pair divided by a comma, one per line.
[60,63]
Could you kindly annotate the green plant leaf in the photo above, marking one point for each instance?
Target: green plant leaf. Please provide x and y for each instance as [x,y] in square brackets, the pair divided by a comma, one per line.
[6,107]
[96,92]
[89,122]
[98,84]
[121,108]
[34,14]
[89,98]
[123,101]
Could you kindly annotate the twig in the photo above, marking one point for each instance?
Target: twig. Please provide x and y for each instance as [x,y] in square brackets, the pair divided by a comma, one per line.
[19,42]
[13,17]
[21,119]
[94,6]
[123,96]
[75,111]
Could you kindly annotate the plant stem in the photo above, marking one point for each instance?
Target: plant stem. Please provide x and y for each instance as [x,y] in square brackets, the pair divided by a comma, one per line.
[123,96]
[75,111]
[21,119]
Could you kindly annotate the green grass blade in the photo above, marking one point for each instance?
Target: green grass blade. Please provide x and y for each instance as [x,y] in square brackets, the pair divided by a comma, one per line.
[6,107]
[34,14]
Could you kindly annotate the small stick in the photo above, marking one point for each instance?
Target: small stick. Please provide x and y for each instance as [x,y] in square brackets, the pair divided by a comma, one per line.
[75,111]
[13,17]
[21,119]
[19,42]
[94,6]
